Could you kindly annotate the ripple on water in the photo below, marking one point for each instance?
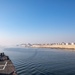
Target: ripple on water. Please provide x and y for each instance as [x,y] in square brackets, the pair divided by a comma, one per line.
[42,62]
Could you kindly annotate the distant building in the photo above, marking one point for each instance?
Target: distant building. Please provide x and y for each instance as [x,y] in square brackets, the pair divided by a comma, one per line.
[66,43]
[63,43]
[72,43]
[69,43]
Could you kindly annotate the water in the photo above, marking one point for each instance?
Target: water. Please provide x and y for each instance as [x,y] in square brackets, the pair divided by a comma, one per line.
[42,61]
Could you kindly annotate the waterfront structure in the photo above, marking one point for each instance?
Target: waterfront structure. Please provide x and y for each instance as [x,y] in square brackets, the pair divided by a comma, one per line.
[72,43]
[63,43]
[66,43]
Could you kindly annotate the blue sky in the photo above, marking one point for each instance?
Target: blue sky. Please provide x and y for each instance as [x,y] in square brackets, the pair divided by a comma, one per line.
[37,21]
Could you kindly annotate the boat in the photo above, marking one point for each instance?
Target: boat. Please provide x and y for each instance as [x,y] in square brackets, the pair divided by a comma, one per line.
[6,65]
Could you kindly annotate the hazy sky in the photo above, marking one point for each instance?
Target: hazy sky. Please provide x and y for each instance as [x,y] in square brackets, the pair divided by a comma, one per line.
[37,21]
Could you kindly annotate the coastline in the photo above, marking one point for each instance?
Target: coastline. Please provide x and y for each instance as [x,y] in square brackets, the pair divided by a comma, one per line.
[55,46]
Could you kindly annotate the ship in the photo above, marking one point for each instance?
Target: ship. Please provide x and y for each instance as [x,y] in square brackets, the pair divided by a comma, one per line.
[6,65]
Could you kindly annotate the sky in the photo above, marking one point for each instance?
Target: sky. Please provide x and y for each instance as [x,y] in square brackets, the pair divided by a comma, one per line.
[37,21]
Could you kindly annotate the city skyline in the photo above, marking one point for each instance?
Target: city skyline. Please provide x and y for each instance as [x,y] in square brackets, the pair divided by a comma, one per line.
[37,21]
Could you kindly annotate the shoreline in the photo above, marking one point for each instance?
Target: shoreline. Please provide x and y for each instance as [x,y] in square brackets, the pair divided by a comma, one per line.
[69,47]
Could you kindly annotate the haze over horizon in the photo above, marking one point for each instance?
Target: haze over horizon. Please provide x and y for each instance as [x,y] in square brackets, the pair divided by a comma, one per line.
[37,21]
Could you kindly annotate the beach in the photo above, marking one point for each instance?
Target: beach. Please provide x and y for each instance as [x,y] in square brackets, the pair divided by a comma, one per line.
[55,46]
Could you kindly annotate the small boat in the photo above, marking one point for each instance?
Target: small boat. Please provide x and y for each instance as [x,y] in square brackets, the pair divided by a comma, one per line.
[6,65]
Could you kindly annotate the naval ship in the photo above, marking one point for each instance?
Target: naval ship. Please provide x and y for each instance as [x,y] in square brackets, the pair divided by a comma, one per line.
[6,65]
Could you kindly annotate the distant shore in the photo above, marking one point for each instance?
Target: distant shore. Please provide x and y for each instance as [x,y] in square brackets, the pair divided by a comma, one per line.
[55,46]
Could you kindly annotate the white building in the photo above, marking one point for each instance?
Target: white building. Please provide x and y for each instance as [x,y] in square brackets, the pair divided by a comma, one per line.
[72,43]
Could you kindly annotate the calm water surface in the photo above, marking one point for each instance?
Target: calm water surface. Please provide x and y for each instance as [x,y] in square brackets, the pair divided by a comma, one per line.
[42,61]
